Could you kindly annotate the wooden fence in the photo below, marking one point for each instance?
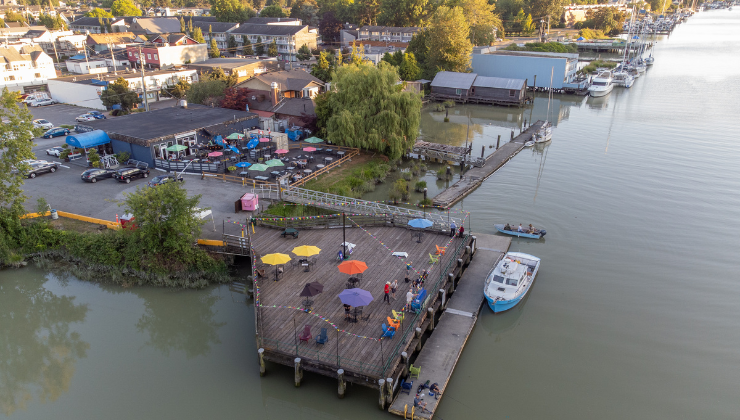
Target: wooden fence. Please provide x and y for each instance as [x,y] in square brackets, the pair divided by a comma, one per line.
[350,152]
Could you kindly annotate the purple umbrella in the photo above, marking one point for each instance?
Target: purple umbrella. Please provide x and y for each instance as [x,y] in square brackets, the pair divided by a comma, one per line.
[355,297]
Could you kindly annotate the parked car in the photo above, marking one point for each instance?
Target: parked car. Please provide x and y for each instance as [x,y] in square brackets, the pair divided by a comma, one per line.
[44,102]
[85,117]
[55,151]
[163,179]
[93,175]
[127,174]
[56,132]
[41,123]
[39,168]
[97,114]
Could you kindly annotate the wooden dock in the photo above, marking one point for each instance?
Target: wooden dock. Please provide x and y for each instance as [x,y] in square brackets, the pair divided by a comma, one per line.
[353,347]
[440,353]
[475,176]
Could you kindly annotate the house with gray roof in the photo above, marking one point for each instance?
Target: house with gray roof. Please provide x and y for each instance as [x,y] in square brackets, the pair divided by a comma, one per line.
[470,87]
[452,85]
[289,38]
[155,26]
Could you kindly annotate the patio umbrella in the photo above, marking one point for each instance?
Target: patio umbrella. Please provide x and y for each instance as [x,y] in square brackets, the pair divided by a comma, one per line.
[176,148]
[309,149]
[306,250]
[280,151]
[275,259]
[259,167]
[265,140]
[312,289]
[235,136]
[274,162]
[243,165]
[215,154]
[355,297]
[352,267]
[580,39]
[218,140]
[252,143]
[635,37]
[234,149]
[314,140]
[420,223]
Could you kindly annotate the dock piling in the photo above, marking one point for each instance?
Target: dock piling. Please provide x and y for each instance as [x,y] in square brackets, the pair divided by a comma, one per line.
[512,135]
[498,141]
[405,364]
[389,392]
[482,150]
[442,296]
[298,371]
[417,334]
[381,386]
[261,353]
[342,386]
[430,312]
[452,282]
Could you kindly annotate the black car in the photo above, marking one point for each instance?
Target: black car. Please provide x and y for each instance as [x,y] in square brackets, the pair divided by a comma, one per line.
[56,132]
[97,114]
[126,174]
[39,168]
[163,179]
[93,175]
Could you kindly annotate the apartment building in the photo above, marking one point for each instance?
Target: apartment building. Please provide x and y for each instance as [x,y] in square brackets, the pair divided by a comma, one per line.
[28,65]
[289,38]
[386,33]
[91,25]
[220,31]
[163,55]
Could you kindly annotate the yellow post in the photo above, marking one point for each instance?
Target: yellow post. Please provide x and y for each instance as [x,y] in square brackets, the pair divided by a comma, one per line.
[405,409]
[412,413]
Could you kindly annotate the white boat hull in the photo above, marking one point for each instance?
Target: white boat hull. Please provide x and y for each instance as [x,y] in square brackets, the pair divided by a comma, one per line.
[600,91]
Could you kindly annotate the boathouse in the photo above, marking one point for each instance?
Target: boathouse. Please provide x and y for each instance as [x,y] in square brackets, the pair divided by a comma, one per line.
[498,91]
[452,85]
[536,67]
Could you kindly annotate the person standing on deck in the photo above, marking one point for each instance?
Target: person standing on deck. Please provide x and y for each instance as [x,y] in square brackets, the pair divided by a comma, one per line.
[387,290]
[453,229]
[394,286]
[409,299]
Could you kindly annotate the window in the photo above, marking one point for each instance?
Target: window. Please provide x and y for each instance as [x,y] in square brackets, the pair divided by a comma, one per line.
[512,93]
[12,78]
[498,279]
[130,54]
[155,57]
[512,282]
[149,56]
[37,75]
[458,91]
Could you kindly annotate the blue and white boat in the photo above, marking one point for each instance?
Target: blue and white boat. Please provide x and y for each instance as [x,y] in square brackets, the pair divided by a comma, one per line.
[538,233]
[510,280]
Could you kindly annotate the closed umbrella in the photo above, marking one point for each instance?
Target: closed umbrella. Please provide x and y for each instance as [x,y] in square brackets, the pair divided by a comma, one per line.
[352,267]
[274,162]
[275,259]
[176,148]
[215,154]
[306,250]
[355,297]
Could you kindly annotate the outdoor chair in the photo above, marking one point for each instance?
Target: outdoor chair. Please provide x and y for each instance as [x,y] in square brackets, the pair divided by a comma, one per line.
[260,273]
[440,251]
[414,372]
[322,338]
[388,331]
[398,315]
[306,334]
[433,259]
[394,323]
[406,386]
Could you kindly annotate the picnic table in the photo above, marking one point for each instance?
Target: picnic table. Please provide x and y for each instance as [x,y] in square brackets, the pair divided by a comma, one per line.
[262,178]
[320,166]
[275,174]
[288,232]
[328,160]
[340,154]
[307,171]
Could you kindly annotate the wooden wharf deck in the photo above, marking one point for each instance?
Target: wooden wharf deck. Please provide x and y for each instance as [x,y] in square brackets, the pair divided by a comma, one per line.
[352,346]
[438,357]
[475,176]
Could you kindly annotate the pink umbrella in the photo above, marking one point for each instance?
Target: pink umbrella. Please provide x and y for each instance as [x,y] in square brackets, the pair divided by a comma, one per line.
[281,151]
[264,140]
[309,149]
[214,154]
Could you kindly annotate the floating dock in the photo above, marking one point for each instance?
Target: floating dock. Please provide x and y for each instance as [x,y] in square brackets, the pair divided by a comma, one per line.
[475,176]
[442,350]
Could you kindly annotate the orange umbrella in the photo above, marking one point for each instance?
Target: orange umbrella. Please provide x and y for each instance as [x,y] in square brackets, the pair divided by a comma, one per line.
[352,267]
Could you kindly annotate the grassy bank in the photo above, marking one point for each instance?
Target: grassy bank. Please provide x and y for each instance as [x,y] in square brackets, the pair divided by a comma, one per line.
[355,179]
[592,66]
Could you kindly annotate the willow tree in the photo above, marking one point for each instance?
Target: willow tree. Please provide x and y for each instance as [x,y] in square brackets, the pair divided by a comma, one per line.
[367,109]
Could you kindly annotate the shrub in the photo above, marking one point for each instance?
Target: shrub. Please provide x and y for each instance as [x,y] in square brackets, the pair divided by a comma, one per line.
[407,176]
[420,185]
[442,174]
[438,108]
[449,104]
[447,119]
[425,202]
[123,157]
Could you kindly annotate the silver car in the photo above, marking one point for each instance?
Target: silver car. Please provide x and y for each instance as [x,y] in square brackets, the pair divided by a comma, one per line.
[41,123]
[44,102]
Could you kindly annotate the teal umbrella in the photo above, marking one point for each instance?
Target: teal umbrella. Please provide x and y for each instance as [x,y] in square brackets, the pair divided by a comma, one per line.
[176,148]
[235,136]
[314,140]
[258,167]
[274,162]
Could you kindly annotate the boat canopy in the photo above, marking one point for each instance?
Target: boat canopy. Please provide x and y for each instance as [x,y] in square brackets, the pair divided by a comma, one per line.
[89,139]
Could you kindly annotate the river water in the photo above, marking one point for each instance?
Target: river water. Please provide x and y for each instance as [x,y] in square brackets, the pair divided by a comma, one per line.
[633,314]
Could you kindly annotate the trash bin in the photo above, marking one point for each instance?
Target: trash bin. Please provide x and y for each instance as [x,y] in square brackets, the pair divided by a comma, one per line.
[54,215]
[249,202]
[127,221]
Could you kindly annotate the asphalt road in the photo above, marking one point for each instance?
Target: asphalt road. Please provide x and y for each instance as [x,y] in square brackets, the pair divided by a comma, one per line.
[58,114]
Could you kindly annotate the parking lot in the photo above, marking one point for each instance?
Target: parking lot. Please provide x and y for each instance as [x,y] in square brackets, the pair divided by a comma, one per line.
[58,114]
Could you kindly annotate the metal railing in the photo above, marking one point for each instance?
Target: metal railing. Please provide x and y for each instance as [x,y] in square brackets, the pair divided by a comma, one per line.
[304,351]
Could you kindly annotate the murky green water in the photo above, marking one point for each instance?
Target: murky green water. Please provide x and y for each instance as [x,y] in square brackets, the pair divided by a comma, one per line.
[633,314]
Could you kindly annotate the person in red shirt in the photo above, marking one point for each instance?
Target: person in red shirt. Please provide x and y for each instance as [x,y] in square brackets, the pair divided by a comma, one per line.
[387,290]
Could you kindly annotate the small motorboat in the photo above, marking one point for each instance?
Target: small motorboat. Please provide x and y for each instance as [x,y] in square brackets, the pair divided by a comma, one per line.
[529,143]
[510,280]
[537,235]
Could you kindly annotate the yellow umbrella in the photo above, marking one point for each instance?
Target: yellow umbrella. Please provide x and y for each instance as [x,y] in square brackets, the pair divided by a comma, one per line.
[275,259]
[306,250]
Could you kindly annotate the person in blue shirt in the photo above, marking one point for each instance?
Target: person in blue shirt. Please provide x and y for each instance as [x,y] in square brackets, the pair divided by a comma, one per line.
[453,229]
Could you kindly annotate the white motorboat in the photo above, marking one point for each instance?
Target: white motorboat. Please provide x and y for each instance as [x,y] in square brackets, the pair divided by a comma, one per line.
[544,134]
[622,78]
[650,60]
[602,84]
[510,280]
[529,143]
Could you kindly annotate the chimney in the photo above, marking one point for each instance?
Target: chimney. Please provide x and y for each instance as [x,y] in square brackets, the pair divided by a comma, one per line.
[274,92]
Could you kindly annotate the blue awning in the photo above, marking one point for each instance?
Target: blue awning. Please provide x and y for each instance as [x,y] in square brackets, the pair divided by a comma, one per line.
[89,139]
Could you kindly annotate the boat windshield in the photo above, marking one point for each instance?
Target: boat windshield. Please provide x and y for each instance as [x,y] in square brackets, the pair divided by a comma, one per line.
[512,282]
[599,83]
[498,279]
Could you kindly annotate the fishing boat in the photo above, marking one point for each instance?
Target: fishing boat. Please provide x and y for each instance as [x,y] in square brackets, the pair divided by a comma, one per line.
[601,85]
[538,233]
[510,280]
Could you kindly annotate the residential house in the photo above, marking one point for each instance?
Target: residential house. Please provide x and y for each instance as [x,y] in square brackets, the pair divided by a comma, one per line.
[275,21]
[99,63]
[498,90]
[155,26]
[348,34]
[29,65]
[537,66]
[452,85]
[174,39]
[92,25]
[71,44]
[102,42]
[289,38]
[386,33]
[164,55]
[12,34]
[375,50]
[46,39]
[244,68]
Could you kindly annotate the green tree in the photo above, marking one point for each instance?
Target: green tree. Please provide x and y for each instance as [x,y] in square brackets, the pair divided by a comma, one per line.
[207,92]
[608,19]
[367,109]
[2,23]
[419,46]
[323,69]
[198,36]
[449,43]
[231,44]
[178,91]
[482,20]
[357,56]
[366,12]
[168,226]
[525,21]
[190,28]
[409,68]
[404,12]
[218,74]
[260,47]
[182,24]
[541,9]
[97,12]
[12,16]
[214,51]
[306,10]
[118,93]
[231,11]
[272,49]
[124,8]
[304,53]
[272,10]
[15,146]
[247,46]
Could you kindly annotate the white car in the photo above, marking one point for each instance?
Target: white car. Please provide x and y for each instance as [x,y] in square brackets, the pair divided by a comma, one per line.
[85,117]
[44,102]
[42,124]
[54,151]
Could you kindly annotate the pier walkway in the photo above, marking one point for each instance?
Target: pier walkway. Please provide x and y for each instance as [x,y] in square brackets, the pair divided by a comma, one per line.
[475,177]
[440,353]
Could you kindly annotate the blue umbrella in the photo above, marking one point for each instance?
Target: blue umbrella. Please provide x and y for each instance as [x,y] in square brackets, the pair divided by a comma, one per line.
[355,297]
[420,223]
[580,39]
[635,37]
[252,143]
[219,140]
[243,165]
[234,149]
